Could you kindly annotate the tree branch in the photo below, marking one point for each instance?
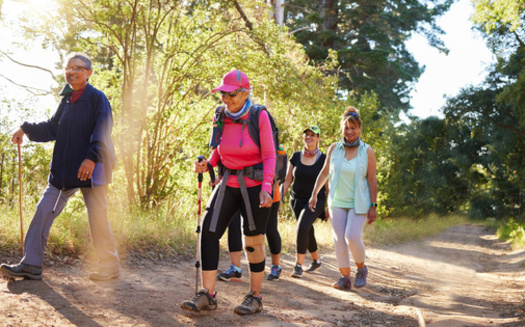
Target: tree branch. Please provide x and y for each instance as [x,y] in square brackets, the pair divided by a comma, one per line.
[32,90]
[27,65]
[520,41]
[300,29]
[250,27]
[509,127]
[243,15]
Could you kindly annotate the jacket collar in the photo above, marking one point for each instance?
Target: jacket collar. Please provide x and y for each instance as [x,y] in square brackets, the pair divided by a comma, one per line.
[67,90]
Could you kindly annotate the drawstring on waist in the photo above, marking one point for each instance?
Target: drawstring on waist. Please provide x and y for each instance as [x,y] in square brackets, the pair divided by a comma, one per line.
[56,202]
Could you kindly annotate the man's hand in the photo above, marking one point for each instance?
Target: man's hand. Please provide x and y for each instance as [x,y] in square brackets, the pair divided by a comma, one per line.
[86,169]
[18,136]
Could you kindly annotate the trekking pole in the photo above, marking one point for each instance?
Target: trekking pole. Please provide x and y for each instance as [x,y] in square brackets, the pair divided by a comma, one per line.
[198,231]
[20,196]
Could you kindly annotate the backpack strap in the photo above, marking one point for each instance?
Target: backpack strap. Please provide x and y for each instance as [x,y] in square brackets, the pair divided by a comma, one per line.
[218,124]
[253,124]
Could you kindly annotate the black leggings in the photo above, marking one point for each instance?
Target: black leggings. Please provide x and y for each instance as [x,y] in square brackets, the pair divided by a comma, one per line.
[305,221]
[272,233]
[232,203]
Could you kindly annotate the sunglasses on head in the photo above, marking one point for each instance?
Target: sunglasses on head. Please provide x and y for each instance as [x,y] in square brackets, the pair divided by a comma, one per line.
[353,114]
[232,93]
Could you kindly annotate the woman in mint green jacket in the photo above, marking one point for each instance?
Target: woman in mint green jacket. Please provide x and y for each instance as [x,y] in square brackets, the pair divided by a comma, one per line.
[350,169]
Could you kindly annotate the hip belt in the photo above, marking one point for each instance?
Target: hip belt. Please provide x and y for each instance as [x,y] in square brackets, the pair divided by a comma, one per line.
[226,172]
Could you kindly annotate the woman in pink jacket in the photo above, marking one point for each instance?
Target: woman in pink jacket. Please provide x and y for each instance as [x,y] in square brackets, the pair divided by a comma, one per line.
[239,159]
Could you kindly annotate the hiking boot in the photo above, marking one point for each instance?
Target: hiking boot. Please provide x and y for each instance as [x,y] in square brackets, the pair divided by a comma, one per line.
[360,277]
[251,304]
[103,274]
[275,273]
[343,283]
[202,301]
[297,271]
[234,273]
[314,266]
[22,270]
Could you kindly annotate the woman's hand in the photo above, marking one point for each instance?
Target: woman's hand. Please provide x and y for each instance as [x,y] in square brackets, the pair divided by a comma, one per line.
[86,169]
[215,182]
[312,202]
[372,215]
[326,215]
[200,166]
[265,199]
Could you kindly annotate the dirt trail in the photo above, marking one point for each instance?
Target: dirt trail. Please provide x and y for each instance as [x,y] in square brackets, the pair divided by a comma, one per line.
[462,277]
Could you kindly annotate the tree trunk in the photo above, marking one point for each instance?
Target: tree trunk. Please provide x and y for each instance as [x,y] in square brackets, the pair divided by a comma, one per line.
[278,11]
[127,141]
[329,11]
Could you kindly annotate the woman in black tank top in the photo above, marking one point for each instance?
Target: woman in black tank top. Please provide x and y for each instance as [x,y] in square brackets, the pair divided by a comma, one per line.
[303,168]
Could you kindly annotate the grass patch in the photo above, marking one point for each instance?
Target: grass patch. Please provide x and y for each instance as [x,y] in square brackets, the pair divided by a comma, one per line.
[169,230]
[511,231]
[404,229]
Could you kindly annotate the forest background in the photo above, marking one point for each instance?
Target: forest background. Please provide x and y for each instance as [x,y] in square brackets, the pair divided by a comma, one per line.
[157,62]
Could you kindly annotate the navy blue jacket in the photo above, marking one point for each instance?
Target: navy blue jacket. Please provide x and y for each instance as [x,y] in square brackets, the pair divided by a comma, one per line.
[81,131]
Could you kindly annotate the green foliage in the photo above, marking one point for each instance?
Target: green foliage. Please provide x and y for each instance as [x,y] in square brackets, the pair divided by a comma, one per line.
[35,157]
[158,60]
[491,14]
[490,148]
[425,176]
[369,37]
[510,230]
[471,161]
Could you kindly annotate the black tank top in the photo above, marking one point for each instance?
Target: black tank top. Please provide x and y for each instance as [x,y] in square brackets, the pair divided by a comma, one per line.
[305,177]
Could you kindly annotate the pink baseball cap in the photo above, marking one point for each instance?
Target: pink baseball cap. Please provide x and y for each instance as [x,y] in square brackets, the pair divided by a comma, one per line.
[233,81]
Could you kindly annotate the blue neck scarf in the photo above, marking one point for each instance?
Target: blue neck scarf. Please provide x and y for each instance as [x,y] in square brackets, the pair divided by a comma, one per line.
[240,113]
[351,145]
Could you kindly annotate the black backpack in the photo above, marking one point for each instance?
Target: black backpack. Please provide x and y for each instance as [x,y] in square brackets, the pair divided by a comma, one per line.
[253,129]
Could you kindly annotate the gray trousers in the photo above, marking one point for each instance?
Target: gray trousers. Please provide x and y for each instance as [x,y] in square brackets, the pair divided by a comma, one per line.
[51,205]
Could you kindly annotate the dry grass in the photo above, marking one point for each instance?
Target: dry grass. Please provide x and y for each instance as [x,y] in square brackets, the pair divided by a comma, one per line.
[169,230]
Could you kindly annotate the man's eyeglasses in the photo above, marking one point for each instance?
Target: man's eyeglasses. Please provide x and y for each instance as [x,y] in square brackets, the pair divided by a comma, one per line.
[232,93]
[74,69]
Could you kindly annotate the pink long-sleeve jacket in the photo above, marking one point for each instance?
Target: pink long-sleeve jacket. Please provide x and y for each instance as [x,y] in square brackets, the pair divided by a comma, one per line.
[234,156]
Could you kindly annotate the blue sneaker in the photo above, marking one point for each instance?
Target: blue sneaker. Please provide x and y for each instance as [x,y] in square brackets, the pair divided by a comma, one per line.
[360,277]
[275,273]
[343,283]
[234,273]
